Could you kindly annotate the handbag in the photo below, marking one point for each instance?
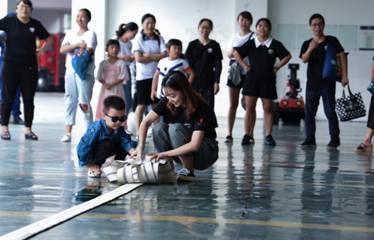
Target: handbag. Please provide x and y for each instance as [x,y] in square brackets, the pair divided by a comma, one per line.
[371,87]
[351,106]
[235,74]
[80,63]
[236,71]
[330,67]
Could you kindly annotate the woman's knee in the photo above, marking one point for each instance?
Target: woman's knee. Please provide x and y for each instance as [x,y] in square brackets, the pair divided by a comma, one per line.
[159,128]
[178,130]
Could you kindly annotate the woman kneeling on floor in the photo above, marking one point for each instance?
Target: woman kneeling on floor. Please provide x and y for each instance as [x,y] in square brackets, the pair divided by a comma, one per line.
[187,130]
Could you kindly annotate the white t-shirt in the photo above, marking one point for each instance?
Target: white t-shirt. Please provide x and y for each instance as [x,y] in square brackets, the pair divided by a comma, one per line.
[147,70]
[238,40]
[166,66]
[72,37]
[126,50]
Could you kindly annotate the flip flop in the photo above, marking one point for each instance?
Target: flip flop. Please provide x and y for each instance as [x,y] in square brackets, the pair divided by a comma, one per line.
[362,147]
[31,136]
[6,136]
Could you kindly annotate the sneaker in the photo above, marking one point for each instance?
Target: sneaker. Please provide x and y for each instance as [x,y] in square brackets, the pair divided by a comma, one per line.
[185,175]
[309,142]
[269,140]
[66,138]
[17,120]
[248,140]
[229,139]
[334,143]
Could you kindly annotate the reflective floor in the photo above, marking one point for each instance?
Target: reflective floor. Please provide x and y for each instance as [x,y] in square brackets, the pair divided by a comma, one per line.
[254,192]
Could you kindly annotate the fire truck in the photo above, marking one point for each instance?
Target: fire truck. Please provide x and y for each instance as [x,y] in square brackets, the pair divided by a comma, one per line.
[51,65]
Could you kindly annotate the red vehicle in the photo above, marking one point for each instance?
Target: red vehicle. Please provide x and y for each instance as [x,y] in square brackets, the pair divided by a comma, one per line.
[51,65]
[290,108]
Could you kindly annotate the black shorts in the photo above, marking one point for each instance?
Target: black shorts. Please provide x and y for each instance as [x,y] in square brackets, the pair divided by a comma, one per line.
[143,91]
[262,88]
[232,85]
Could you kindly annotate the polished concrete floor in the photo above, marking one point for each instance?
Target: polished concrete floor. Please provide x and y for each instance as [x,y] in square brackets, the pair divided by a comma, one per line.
[254,192]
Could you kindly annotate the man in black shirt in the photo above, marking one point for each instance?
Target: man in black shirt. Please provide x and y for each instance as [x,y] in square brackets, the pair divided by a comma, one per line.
[313,52]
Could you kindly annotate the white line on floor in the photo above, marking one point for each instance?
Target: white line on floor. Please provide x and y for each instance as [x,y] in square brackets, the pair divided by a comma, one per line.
[49,222]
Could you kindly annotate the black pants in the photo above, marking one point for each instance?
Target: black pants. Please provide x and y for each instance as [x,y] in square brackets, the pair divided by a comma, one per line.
[370,123]
[26,78]
[104,150]
[208,95]
[313,94]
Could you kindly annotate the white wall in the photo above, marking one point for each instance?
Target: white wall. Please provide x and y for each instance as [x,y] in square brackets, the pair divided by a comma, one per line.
[7,6]
[178,19]
[336,13]
[52,19]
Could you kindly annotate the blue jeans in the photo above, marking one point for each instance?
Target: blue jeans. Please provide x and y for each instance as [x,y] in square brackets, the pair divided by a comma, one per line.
[128,96]
[173,135]
[313,94]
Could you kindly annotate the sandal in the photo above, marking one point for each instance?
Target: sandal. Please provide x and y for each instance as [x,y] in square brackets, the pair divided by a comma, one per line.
[362,147]
[229,139]
[31,136]
[6,136]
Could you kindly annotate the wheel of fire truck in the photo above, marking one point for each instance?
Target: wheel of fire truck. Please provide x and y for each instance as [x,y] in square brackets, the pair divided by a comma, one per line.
[44,80]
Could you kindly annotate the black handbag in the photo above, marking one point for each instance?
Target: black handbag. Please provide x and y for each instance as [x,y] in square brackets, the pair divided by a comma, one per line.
[351,106]
[371,87]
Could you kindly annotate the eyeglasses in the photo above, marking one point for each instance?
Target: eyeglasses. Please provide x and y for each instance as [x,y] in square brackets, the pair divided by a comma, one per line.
[116,119]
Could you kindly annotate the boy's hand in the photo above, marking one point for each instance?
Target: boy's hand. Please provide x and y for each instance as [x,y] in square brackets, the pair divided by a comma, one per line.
[132,152]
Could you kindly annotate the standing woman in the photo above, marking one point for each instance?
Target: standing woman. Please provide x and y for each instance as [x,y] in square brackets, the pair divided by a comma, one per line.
[149,48]
[205,57]
[125,33]
[367,145]
[20,65]
[245,21]
[78,88]
[263,51]
[187,132]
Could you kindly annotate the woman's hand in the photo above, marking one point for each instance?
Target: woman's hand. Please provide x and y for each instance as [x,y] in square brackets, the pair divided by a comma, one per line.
[139,153]
[216,88]
[158,156]
[246,67]
[153,95]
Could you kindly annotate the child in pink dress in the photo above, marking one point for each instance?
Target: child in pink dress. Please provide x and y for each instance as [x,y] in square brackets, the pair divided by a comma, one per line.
[111,74]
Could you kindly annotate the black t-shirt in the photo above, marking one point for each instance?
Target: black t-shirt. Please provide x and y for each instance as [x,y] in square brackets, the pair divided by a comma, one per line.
[203,119]
[317,57]
[21,39]
[262,59]
[202,60]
